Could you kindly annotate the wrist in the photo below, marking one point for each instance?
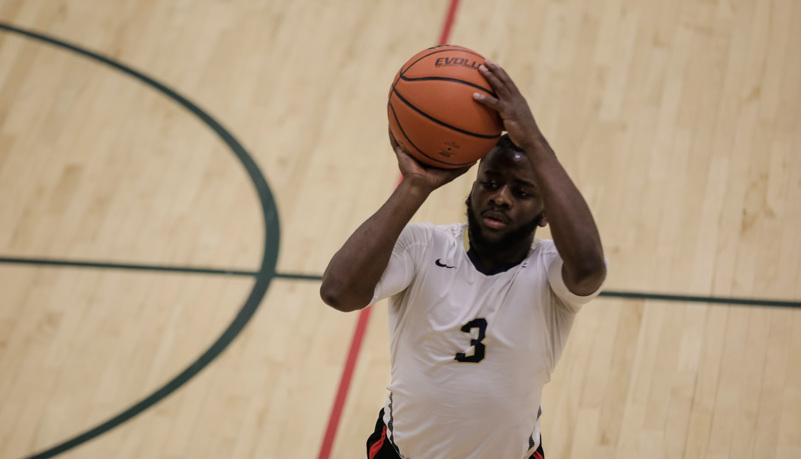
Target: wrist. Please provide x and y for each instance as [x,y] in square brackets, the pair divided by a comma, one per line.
[536,145]
[415,186]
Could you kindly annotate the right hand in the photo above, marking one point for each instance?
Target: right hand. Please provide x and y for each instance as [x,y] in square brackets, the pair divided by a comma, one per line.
[420,174]
[518,121]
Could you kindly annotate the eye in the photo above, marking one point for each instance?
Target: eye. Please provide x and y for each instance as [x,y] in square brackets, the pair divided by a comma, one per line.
[489,184]
[523,194]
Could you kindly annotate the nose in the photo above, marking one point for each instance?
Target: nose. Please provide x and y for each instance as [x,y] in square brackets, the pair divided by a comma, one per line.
[501,197]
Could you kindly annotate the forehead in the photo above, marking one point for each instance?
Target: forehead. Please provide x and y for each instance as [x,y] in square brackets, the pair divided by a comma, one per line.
[510,164]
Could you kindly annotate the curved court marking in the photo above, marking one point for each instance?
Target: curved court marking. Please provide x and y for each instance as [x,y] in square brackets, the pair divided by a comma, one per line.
[263,276]
[267,271]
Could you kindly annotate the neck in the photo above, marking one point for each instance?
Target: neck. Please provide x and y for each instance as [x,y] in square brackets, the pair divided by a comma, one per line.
[496,259]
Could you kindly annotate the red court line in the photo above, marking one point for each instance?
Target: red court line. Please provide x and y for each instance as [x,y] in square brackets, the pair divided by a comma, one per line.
[449,20]
[344,383]
[364,314]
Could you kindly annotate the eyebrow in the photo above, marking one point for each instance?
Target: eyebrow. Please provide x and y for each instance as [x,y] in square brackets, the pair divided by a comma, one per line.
[516,181]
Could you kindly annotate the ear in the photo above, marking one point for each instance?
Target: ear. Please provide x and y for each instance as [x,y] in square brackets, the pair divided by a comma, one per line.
[544,220]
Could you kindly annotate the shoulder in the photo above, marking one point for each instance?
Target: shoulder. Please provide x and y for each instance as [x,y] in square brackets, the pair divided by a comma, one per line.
[421,238]
[428,232]
[543,249]
[416,237]
[415,234]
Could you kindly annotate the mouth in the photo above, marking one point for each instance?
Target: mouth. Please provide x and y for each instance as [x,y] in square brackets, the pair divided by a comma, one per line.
[494,220]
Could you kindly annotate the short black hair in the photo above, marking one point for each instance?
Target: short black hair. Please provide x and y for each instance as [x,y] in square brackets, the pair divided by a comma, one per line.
[504,143]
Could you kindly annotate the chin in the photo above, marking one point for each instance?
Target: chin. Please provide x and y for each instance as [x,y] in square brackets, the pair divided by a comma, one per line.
[493,235]
[489,238]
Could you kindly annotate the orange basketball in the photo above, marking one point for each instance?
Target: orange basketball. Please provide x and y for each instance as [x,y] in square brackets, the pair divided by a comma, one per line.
[431,109]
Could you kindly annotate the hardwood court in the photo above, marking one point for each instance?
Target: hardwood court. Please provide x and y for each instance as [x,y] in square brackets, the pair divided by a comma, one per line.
[680,122]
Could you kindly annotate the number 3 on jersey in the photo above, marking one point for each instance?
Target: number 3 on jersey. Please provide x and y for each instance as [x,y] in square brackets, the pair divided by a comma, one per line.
[478,346]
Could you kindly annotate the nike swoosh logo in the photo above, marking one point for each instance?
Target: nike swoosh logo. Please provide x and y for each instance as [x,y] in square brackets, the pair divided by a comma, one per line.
[443,265]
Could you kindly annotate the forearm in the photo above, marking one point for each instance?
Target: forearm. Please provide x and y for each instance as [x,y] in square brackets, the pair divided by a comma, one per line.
[572,225]
[350,278]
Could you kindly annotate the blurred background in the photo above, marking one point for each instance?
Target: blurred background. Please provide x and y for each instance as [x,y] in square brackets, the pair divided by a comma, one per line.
[137,236]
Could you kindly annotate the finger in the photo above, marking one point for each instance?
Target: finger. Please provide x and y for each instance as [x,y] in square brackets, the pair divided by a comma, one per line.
[408,164]
[454,173]
[464,169]
[394,142]
[498,72]
[444,176]
[404,154]
[489,101]
[495,83]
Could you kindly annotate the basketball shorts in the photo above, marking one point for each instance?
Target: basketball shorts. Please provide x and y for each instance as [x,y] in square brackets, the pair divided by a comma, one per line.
[380,447]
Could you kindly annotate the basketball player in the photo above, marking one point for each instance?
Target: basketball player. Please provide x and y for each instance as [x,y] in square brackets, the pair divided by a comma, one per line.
[478,313]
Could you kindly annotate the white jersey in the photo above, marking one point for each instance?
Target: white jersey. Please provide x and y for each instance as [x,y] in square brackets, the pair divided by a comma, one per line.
[470,352]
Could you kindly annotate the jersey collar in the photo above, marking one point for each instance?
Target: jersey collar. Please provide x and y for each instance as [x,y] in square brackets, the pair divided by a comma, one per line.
[471,254]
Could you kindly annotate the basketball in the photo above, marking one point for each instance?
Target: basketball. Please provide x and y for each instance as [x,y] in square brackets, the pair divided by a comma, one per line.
[431,109]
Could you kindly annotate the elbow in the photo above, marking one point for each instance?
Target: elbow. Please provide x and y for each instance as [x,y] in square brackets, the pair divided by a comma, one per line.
[592,270]
[587,277]
[592,266]
[592,273]
[595,269]
[337,298]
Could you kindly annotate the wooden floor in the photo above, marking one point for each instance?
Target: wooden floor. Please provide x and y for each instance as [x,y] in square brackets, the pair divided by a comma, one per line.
[679,120]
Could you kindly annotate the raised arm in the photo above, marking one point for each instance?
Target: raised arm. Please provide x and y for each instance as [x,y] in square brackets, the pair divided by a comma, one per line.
[352,274]
[572,225]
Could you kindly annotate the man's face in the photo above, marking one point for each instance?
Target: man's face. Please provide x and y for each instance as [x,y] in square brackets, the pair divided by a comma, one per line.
[504,207]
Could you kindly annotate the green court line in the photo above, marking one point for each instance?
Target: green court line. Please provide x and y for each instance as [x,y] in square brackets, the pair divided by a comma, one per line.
[314,277]
[263,276]
[125,266]
[701,299]
[266,272]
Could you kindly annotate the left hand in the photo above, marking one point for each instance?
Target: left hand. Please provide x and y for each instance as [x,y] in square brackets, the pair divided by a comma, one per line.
[430,177]
[518,121]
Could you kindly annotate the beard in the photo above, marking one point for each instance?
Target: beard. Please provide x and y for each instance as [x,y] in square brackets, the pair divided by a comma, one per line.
[508,240]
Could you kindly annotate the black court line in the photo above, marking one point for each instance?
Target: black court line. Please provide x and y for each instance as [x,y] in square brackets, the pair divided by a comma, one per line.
[263,276]
[145,267]
[124,266]
[701,299]
[314,277]
[266,272]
